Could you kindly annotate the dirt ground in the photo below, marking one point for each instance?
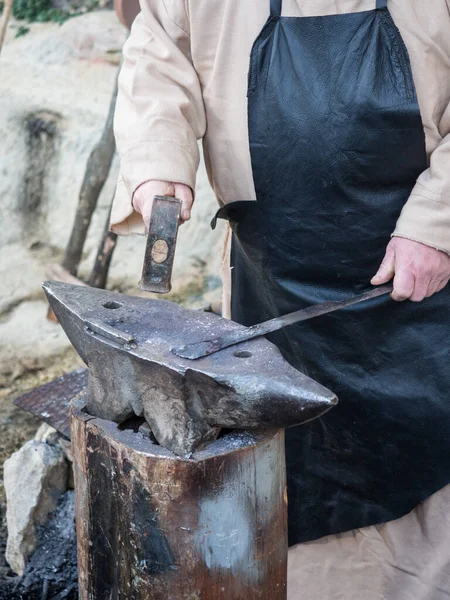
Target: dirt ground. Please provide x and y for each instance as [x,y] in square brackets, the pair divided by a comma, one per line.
[17,426]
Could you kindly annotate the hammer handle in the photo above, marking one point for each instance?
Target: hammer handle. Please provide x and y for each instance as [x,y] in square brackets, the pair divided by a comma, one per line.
[161,243]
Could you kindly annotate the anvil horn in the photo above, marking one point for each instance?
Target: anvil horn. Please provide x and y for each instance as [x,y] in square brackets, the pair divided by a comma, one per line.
[126,343]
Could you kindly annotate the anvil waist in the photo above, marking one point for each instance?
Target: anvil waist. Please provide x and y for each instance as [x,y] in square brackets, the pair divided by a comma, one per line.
[337,143]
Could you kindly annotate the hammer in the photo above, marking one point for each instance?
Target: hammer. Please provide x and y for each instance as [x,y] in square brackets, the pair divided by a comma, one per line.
[161,243]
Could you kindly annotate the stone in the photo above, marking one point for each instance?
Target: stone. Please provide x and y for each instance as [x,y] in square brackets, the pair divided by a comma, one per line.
[35,477]
[22,273]
[62,71]
[29,340]
[48,434]
[66,447]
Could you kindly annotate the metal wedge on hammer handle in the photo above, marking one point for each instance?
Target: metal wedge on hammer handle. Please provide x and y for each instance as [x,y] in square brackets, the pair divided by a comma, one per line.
[161,243]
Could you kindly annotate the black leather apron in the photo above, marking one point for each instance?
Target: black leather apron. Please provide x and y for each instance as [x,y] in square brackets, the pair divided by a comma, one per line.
[337,143]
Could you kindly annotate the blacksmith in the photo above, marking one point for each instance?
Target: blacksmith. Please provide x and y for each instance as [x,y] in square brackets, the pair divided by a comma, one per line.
[334,115]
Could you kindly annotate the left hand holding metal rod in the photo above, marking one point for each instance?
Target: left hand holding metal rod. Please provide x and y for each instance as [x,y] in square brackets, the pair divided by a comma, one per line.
[419,271]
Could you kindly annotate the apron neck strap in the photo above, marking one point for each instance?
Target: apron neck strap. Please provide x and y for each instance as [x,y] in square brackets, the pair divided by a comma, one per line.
[275,8]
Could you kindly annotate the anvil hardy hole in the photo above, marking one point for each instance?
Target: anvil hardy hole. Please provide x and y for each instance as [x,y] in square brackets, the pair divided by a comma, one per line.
[242,354]
[112,305]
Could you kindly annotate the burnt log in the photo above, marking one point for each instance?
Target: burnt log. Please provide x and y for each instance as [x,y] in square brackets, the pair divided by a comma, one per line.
[152,525]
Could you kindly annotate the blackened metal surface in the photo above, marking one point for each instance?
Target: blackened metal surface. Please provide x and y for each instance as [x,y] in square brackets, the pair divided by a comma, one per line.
[186,403]
[50,402]
[161,242]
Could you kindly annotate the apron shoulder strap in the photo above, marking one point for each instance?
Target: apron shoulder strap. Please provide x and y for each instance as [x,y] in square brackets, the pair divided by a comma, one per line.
[275,8]
[381,4]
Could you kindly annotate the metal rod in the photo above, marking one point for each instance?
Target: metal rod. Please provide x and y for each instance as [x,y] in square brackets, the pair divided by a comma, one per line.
[204,348]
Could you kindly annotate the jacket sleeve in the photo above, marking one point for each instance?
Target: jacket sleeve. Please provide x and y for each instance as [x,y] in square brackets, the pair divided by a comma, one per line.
[159,114]
[426,216]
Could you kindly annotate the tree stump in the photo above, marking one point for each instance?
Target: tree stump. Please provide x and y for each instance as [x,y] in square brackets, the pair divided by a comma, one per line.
[153,526]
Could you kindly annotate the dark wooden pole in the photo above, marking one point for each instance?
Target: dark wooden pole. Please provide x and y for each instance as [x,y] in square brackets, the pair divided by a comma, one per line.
[100,270]
[7,9]
[97,170]
[152,526]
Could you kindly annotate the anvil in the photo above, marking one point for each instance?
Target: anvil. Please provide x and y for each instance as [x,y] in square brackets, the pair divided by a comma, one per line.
[126,343]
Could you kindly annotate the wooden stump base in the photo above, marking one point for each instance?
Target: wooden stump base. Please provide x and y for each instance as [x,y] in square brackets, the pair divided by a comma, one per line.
[153,526]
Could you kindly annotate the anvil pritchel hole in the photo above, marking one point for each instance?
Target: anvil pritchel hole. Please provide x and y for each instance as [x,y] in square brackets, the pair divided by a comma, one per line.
[112,305]
[242,354]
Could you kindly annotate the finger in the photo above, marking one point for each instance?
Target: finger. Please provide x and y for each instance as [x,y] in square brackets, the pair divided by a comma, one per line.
[144,195]
[148,190]
[403,285]
[420,289]
[387,269]
[432,288]
[146,211]
[184,193]
[442,284]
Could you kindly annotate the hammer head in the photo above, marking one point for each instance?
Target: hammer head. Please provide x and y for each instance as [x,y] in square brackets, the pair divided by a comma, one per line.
[126,343]
[161,241]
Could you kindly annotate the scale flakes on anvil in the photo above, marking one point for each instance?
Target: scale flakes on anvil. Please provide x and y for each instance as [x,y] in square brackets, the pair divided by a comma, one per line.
[126,343]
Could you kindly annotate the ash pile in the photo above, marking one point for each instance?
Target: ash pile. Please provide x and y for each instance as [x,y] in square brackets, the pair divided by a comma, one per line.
[41,546]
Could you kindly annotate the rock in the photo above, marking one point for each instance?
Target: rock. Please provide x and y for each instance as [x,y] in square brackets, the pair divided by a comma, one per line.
[66,448]
[22,273]
[47,434]
[34,477]
[29,341]
[62,71]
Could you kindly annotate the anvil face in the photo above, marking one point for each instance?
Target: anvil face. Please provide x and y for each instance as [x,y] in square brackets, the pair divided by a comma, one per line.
[126,343]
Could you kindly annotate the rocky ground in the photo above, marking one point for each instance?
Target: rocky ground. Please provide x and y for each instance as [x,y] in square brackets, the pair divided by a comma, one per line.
[17,426]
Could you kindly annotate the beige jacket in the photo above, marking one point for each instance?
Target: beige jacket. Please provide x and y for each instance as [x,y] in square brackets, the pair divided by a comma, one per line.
[184,78]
